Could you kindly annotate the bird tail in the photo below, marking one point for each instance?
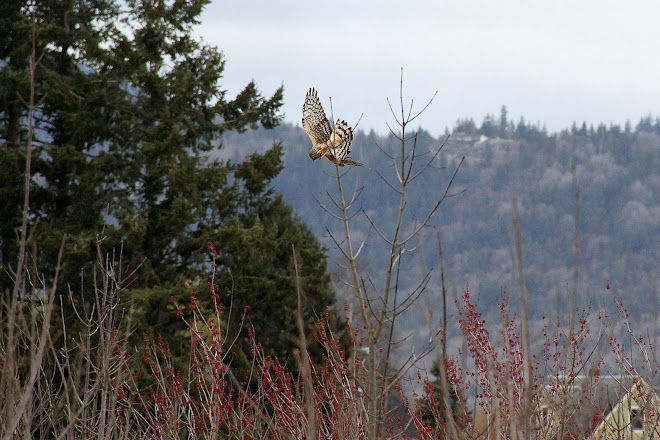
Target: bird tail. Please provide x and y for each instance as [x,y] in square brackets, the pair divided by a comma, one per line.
[350,162]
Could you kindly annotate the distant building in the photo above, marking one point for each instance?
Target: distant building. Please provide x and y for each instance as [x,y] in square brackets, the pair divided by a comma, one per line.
[466,139]
[600,408]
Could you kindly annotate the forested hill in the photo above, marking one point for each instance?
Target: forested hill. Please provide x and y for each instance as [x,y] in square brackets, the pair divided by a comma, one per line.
[618,186]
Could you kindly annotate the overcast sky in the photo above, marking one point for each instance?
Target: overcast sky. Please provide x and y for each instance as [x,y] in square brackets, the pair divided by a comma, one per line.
[553,63]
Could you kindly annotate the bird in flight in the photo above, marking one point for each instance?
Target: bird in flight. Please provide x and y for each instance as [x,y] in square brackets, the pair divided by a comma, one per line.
[333,144]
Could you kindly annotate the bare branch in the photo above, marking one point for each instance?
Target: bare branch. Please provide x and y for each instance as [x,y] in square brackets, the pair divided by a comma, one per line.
[423,108]
[445,195]
[396,190]
[378,231]
[304,361]
[429,162]
[390,156]
[325,208]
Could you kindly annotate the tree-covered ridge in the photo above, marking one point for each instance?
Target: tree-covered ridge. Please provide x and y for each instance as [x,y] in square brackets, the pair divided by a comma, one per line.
[618,189]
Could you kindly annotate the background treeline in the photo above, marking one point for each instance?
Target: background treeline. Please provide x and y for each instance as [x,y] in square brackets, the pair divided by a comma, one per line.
[618,204]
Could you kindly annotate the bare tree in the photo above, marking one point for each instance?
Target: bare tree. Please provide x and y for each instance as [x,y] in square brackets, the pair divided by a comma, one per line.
[382,300]
[27,309]
[48,389]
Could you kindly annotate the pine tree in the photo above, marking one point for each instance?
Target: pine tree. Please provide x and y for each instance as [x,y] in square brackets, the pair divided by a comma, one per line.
[131,106]
[504,123]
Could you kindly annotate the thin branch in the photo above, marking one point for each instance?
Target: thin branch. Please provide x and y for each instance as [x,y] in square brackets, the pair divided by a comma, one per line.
[390,156]
[396,190]
[430,161]
[423,108]
[308,389]
[378,231]
[524,317]
[445,195]
[325,208]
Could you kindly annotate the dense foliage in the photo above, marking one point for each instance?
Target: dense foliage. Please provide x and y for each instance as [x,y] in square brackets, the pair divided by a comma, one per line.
[129,106]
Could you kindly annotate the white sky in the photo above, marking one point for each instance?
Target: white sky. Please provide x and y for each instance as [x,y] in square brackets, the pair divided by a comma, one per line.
[553,62]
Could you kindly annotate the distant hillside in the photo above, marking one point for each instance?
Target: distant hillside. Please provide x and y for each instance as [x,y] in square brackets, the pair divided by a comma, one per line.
[619,205]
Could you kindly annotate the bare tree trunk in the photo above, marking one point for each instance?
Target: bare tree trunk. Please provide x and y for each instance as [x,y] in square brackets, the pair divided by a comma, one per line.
[379,311]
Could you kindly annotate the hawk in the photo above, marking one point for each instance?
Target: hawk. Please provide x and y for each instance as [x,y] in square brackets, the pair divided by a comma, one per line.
[333,144]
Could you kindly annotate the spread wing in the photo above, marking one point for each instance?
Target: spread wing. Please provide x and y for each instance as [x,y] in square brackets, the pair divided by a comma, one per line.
[341,140]
[314,120]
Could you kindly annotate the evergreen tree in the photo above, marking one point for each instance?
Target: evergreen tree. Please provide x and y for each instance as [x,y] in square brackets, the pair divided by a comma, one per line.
[131,107]
[504,122]
[256,274]
[466,126]
[488,127]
